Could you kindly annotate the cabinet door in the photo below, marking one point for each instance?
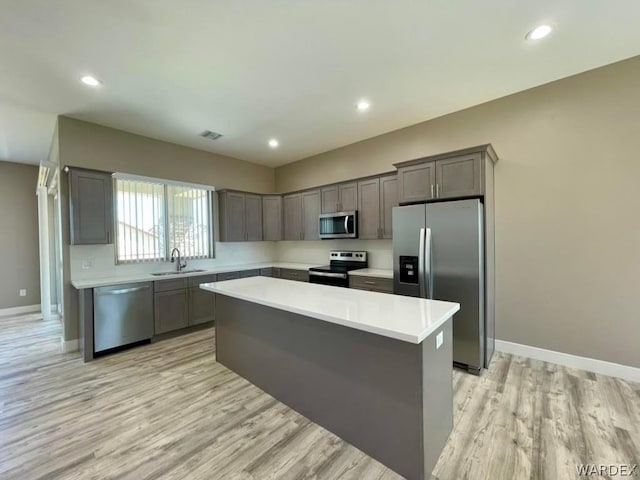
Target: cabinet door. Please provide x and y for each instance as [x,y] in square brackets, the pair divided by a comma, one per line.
[171,310]
[292,213]
[459,176]
[202,306]
[91,205]
[232,217]
[416,183]
[311,213]
[228,276]
[253,217]
[272,218]
[330,199]
[298,275]
[348,196]
[369,209]
[388,200]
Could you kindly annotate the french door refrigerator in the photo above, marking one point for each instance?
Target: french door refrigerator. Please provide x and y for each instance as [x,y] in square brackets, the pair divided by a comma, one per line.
[439,253]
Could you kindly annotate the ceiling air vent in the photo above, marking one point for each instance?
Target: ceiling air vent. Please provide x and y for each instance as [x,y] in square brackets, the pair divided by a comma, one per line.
[210,135]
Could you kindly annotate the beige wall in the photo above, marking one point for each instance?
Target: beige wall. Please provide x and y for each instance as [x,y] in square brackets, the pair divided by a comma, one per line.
[83,144]
[19,235]
[567,204]
[88,145]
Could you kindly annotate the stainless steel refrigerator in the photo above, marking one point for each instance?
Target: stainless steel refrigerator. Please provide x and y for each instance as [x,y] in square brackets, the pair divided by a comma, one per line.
[439,253]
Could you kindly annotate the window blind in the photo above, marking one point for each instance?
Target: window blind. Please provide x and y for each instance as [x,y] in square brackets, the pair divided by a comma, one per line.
[188,220]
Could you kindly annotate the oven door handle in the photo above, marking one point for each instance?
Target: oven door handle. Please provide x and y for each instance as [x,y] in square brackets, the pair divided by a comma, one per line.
[327,274]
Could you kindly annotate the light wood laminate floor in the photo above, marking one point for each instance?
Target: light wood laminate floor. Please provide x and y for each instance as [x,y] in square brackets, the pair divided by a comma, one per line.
[169,411]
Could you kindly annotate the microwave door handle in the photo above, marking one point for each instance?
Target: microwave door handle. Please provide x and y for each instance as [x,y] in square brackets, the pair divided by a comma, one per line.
[421,276]
[346,224]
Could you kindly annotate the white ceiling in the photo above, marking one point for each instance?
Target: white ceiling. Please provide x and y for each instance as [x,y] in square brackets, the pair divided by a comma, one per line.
[256,69]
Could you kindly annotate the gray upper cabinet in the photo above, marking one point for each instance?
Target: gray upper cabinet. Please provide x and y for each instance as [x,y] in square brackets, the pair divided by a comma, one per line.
[329,199]
[272,217]
[231,213]
[91,207]
[376,199]
[310,215]
[253,217]
[456,174]
[292,213]
[339,198]
[240,216]
[369,209]
[388,200]
[459,176]
[416,183]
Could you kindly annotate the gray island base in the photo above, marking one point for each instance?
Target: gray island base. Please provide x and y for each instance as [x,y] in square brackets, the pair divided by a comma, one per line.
[390,398]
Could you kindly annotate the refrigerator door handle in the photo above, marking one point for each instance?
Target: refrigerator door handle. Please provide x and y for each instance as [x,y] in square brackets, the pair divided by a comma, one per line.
[428,279]
[421,265]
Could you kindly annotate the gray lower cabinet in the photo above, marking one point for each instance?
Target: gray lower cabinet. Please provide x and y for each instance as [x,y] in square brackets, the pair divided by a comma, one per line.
[374,284]
[271,217]
[291,274]
[90,207]
[240,216]
[376,199]
[249,273]
[181,303]
[276,272]
[171,310]
[228,276]
[266,272]
[202,307]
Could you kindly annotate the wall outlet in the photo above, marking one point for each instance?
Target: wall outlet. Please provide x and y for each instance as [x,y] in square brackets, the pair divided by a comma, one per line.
[439,340]
[87,263]
[23,292]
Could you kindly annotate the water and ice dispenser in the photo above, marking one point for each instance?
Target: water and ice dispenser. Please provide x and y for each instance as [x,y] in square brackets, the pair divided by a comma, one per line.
[408,269]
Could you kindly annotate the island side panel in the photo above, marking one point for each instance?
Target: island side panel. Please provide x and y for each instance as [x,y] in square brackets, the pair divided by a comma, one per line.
[437,393]
[363,387]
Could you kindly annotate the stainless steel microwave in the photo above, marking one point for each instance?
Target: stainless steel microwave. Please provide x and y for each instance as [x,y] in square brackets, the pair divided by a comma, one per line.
[339,225]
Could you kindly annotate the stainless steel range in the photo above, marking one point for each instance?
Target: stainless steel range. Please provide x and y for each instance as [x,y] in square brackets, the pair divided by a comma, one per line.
[337,272]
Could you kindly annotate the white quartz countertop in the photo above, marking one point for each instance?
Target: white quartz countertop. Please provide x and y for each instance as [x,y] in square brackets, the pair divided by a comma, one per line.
[372,272]
[404,318]
[149,277]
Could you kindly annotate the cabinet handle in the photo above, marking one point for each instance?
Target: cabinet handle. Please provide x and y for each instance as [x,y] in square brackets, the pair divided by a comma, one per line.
[367,282]
[432,191]
[437,190]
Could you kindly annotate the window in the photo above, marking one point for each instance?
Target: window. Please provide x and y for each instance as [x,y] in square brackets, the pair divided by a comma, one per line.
[154,217]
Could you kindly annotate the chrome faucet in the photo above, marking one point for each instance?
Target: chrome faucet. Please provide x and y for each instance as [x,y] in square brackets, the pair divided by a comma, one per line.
[180,265]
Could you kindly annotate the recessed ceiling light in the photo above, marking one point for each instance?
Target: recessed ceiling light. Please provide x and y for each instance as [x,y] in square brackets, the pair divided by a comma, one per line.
[539,32]
[363,105]
[91,81]
[273,143]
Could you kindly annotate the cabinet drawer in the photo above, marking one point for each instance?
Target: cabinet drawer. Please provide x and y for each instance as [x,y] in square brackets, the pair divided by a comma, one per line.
[374,284]
[196,281]
[276,273]
[266,272]
[167,285]
[299,275]
[249,273]
[228,276]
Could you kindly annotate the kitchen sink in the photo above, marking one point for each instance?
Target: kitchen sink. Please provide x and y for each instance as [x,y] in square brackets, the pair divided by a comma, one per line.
[174,272]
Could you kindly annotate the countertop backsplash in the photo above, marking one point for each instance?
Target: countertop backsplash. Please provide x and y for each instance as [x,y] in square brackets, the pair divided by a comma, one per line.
[379,251]
[95,261]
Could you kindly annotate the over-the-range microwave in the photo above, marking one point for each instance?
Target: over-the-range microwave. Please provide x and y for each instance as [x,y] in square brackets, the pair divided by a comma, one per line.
[339,225]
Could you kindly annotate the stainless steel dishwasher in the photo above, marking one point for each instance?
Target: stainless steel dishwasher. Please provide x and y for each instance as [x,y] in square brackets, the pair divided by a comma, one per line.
[122,314]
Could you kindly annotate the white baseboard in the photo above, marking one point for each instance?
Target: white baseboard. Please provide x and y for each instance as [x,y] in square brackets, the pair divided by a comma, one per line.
[5,312]
[625,372]
[70,345]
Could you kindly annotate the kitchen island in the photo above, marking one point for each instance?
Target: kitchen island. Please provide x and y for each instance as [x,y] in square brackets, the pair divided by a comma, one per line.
[373,368]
